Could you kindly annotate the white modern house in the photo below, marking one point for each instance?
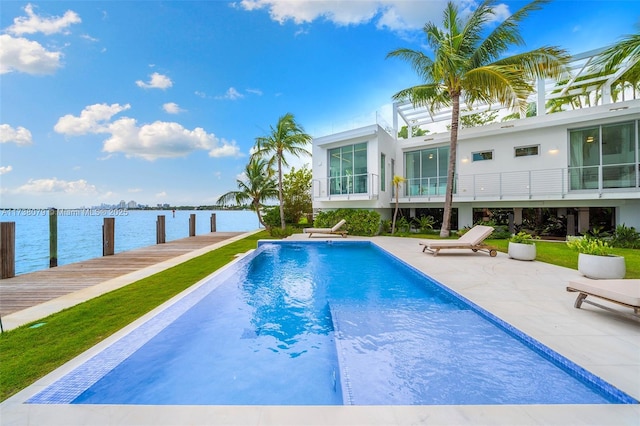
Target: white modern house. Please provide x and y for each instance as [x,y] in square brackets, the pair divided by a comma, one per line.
[583,157]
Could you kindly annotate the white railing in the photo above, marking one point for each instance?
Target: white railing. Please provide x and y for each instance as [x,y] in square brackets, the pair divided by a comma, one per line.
[516,185]
[346,187]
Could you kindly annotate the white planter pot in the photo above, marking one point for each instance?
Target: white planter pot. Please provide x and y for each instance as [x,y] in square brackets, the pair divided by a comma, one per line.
[521,251]
[601,267]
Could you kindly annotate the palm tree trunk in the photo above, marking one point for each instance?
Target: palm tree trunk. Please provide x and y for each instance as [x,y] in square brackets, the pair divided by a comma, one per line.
[280,195]
[256,206]
[451,172]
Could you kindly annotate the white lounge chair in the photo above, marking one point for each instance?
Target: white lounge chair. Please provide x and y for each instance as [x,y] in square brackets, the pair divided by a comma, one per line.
[472,239]
[622,292]
[328,231]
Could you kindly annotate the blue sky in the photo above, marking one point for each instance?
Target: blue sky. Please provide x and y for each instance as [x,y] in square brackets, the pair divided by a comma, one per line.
[161,101]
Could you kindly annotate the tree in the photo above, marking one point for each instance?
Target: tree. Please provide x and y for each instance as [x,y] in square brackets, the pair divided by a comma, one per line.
[286,138]
[397,180]
[415,131]
[466,66]
[297,194]
[258,186]
[627,49]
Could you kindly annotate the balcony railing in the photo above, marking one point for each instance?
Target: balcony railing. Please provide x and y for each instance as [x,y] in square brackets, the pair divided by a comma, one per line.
[528,184]
[517,185]
[347,187]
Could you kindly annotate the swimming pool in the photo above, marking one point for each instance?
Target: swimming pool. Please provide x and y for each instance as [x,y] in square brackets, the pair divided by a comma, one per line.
[326,324]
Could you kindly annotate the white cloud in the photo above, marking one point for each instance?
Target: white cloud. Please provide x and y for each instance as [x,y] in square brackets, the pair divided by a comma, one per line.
[257,92]
[55,185]
[160,139]
[156,81]
[396,15]
[399,16]
[163,140]
[5,169]
[92,119]
[226,149]
[33,23]
[162,194]
[231,94]
[19,135]
[22,55]
[172,108]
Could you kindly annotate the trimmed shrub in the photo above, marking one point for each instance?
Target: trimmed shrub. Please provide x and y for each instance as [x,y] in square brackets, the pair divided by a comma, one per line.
[359,222]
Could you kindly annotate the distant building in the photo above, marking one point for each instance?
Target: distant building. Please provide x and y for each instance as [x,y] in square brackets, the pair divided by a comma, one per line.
[578,162]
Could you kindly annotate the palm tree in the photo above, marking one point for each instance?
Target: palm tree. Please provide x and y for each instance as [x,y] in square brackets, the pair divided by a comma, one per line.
[286,138]
[259,185]
[627,49]
[397,180]
[466,66]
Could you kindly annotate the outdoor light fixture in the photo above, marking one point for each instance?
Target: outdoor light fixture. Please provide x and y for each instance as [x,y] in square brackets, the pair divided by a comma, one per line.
[554,149]
[590,139]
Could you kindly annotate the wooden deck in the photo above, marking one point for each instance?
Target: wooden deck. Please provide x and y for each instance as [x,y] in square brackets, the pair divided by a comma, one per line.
[27,290]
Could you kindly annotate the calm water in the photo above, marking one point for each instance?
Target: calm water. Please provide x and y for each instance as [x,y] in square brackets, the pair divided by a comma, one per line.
[80,231]
[297,323]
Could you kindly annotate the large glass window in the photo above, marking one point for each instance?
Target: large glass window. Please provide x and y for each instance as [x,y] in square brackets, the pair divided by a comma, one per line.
[618,156]
[426,171]
[603,157]
[348,169]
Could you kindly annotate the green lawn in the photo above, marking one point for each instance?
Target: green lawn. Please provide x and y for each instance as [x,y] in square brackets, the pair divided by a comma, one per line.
[26,354]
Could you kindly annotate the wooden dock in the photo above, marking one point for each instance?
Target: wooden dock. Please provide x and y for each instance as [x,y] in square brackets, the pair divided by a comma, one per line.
[31,289]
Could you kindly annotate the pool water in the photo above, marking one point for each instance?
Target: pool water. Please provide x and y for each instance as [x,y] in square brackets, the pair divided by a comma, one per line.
[316,323]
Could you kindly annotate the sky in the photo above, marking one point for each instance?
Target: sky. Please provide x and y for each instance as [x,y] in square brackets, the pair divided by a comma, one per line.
[161,101]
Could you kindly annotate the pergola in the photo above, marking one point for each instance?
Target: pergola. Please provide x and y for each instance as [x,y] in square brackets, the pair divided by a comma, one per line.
[594,87]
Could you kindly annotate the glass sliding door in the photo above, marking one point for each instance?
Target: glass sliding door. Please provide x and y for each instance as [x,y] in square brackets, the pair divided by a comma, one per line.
[618,156]
[603,157]
[348,169]
[426,171]
[584,161]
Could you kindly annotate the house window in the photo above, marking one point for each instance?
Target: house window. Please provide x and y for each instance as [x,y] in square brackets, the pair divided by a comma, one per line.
[348,169]
[525,151]
[603,157]
[482,155]
[383,174]
[426,171]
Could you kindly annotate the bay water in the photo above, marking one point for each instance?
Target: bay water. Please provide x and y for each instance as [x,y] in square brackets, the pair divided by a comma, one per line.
[80,231]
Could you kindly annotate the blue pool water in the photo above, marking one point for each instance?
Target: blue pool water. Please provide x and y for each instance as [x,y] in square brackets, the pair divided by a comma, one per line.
[315,323]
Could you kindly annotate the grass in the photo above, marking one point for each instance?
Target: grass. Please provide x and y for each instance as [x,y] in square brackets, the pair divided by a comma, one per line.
[557,253]
[27,354]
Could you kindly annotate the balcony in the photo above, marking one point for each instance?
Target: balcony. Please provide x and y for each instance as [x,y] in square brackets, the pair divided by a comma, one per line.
[363,186]
[572,182]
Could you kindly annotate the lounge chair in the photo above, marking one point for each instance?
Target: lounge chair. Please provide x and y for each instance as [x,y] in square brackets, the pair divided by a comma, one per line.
[622,292]
[472,239]
[328,231]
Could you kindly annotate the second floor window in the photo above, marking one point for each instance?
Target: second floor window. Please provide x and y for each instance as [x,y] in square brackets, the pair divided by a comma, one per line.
[348,169]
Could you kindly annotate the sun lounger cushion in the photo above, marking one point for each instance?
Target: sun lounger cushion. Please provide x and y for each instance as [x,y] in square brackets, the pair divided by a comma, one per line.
[334,230]
[622,291]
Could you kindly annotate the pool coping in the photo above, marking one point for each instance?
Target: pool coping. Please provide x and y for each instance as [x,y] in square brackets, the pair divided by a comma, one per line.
[14,411]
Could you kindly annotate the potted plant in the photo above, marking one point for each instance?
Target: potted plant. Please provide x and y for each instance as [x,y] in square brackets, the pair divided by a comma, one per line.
[595,259]
[522,246]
